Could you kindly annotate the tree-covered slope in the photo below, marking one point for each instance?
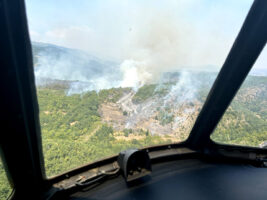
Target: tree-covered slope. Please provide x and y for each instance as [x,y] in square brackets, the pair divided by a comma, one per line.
[82,128]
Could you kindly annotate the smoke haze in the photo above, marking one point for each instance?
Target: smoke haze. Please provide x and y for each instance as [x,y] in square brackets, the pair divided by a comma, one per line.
[152,47]
[133,43]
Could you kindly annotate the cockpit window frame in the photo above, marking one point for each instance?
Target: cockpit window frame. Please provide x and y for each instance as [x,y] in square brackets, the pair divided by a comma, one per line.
[20,107]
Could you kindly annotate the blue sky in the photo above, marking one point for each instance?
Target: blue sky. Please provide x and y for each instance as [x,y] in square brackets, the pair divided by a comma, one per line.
[201,32]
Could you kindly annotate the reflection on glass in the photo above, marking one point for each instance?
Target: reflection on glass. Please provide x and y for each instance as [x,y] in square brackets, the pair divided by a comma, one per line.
[112,75]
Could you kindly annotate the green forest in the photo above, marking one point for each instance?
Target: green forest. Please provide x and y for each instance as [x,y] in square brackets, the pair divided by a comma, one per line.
[5,188]
[245,121]
[73,133]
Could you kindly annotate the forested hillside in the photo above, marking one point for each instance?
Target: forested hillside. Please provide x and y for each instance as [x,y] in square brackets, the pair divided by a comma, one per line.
[76,129]
[82,128]
[73,133]
[5,188]
[245,121]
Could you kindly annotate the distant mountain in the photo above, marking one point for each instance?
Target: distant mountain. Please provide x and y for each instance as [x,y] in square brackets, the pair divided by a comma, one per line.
[59,63]
[80,72]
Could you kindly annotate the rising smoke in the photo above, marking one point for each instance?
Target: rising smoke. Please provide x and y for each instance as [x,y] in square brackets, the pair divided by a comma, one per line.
[157,45]
[152,47]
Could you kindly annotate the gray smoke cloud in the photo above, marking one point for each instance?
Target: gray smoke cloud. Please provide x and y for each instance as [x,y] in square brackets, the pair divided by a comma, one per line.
[152,47]
[146,38]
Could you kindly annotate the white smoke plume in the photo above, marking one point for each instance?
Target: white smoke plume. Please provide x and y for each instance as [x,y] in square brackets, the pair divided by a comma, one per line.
[146,38]
[154,45]
[183,91]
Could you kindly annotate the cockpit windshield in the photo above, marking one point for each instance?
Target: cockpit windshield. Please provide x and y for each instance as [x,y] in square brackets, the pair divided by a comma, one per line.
[113,75]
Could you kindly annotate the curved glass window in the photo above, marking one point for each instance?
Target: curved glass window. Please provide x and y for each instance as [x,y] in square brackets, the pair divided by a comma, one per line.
[113,75]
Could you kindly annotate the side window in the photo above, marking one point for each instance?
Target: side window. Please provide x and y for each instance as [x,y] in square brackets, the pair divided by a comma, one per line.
[5,189]
[245,121]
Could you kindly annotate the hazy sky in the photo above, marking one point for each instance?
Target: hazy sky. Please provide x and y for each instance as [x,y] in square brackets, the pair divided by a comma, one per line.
[190,32]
